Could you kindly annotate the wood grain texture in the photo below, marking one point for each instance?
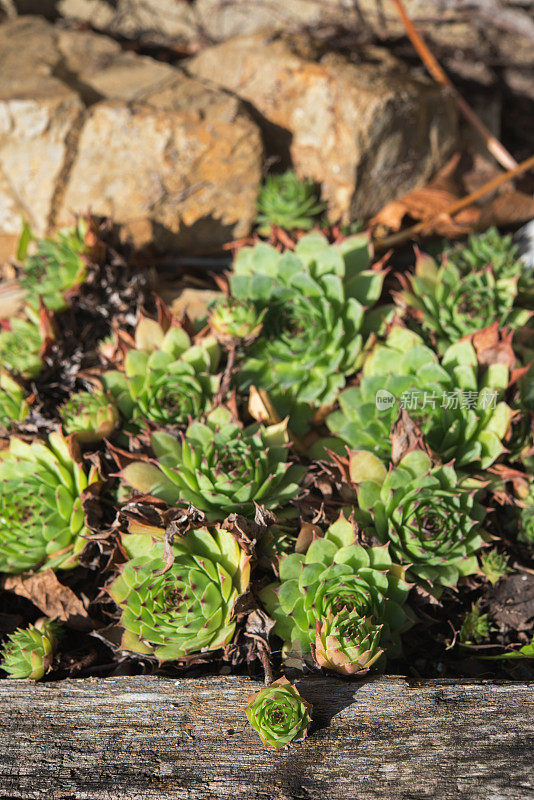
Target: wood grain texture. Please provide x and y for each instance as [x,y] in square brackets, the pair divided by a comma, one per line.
[146,738]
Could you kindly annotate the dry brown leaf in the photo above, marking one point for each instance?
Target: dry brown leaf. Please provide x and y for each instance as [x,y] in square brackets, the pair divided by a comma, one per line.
[508,208]
[307,534]
[51,597]
[494,346]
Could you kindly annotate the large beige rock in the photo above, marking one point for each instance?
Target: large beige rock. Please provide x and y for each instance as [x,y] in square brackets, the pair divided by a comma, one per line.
[148,20]
[85,125]
[368,132]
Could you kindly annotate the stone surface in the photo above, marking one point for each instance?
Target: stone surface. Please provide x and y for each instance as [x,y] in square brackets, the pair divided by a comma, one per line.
[495,32]
[84,124]
[368,132]
[166,21]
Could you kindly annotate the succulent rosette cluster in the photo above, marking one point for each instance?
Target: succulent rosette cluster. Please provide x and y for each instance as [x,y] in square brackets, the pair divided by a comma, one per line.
[456,402]
[58,265]
[450,305]
[219,467]
[167,379]
[430,523]
[341,589]
[288,202]
[279,714]
[42,522]
[29,652]
[89,416]
[13,403]
[314,327]
[187,608]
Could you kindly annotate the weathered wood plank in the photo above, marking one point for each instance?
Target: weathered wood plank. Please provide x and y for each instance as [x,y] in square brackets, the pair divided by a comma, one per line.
[145,737]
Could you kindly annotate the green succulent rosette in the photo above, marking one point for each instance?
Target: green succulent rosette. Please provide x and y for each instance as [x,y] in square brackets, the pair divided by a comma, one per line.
[346,643]
[337,575]
[499,251]
[42,523]
[20,348]
[288,202]
[219,467]
[13,404]
[28,652]
[314,327]
[59,264]
[235,322]
[279,714]
[89,416]
[457,403]
[450,305]
[187,608]
[430,523]
[166,379]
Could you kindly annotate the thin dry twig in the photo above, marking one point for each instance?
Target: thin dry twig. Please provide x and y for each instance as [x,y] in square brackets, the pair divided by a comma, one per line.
[454,208]
[498,151]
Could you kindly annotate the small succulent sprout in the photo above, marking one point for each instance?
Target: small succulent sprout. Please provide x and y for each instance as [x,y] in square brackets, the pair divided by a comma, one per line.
[494,565]
[314,326]
[58,265]
[279,714]
[347,643]
[42,523]
[288,202]
[489,248]
[337,575]
[429,522]
[13,404]
[187,608]
[236,322]
[475,626]
[20,348]
[451,305]
[457,403]
[166,378]
[89,416]
[29,652]
[219,467]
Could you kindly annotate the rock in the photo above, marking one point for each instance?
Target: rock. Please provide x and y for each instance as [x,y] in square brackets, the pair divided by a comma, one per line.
[150,21]
[368,131]
[84,124]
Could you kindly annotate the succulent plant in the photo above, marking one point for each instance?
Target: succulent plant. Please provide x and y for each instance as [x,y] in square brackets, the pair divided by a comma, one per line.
[29,652]
[13,405]
[42,522]
[314,328]
[494,565]
[475,626]
[337,576]
[347,643]
[279,714]
[450,305]
[289,202]
[57,266]
[20,348]
[90,416]
[220,468]
[456,403]
[166,378]
[526,519]
[236,322]
[499,251]
[174,612]
[429,522]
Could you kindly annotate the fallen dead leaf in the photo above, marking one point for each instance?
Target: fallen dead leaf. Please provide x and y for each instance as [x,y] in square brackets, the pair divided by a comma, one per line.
[51,597]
